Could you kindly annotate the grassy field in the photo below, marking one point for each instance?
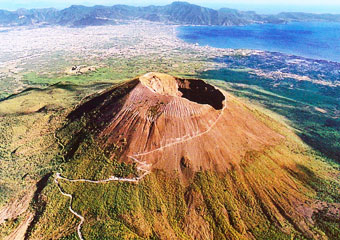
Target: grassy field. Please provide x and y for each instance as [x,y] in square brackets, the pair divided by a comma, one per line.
[27,125]
[109,70]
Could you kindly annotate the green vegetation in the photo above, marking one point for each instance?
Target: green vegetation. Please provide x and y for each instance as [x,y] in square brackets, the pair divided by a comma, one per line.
[326,189]
[330,225]
[115,70]
[27,124]
[8,226]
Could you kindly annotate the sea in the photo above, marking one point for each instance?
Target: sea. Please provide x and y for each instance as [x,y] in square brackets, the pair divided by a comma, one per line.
[316,40]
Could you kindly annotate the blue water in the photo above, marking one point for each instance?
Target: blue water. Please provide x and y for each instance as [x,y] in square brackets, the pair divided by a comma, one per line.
[311,40]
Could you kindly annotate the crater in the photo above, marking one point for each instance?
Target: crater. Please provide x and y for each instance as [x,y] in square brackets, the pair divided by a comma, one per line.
[192,89]
[200,92]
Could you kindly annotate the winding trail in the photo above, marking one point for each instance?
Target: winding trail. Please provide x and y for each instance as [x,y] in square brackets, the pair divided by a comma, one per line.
[142,166]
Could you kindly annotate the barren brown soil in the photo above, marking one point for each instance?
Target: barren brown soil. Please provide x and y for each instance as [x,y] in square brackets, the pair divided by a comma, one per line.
[179,125]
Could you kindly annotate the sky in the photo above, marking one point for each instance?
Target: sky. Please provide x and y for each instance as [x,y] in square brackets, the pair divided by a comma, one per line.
[261,6]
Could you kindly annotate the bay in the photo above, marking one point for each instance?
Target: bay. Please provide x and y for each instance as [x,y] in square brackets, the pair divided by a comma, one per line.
[317,40]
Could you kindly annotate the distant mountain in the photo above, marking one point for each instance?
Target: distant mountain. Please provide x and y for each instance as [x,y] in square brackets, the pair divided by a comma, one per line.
[301,17]
[175,13]
[28,17]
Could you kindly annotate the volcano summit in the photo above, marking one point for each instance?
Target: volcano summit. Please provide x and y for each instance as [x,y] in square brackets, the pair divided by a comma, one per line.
[174,124]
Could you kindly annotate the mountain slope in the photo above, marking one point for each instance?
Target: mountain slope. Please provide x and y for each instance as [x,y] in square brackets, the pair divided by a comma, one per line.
[169,158]
[175,13]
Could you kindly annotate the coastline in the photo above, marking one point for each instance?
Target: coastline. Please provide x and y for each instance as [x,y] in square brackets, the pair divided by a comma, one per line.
[302,41]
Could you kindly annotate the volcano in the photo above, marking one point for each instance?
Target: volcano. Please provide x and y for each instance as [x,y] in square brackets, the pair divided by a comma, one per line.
[174,124]
[162,157]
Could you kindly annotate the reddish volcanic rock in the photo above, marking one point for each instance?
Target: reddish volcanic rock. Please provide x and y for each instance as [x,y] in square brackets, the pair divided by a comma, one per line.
[175,124]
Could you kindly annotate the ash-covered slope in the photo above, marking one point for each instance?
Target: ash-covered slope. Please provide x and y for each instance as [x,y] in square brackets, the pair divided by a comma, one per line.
[176,125]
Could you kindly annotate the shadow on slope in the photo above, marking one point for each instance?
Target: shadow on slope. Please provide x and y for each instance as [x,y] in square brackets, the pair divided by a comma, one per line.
[201,92]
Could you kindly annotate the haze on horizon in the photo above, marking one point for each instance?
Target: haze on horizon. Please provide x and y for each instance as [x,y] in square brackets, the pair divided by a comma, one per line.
[260,6]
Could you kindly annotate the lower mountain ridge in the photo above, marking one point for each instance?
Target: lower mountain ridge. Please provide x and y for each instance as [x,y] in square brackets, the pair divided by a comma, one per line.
[175,13]
[161,157]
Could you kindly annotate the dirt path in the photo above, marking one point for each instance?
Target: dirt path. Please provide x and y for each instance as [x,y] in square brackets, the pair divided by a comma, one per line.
[142,166]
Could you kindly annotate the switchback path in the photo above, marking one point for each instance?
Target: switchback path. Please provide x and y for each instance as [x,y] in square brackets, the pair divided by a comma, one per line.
[142,166]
